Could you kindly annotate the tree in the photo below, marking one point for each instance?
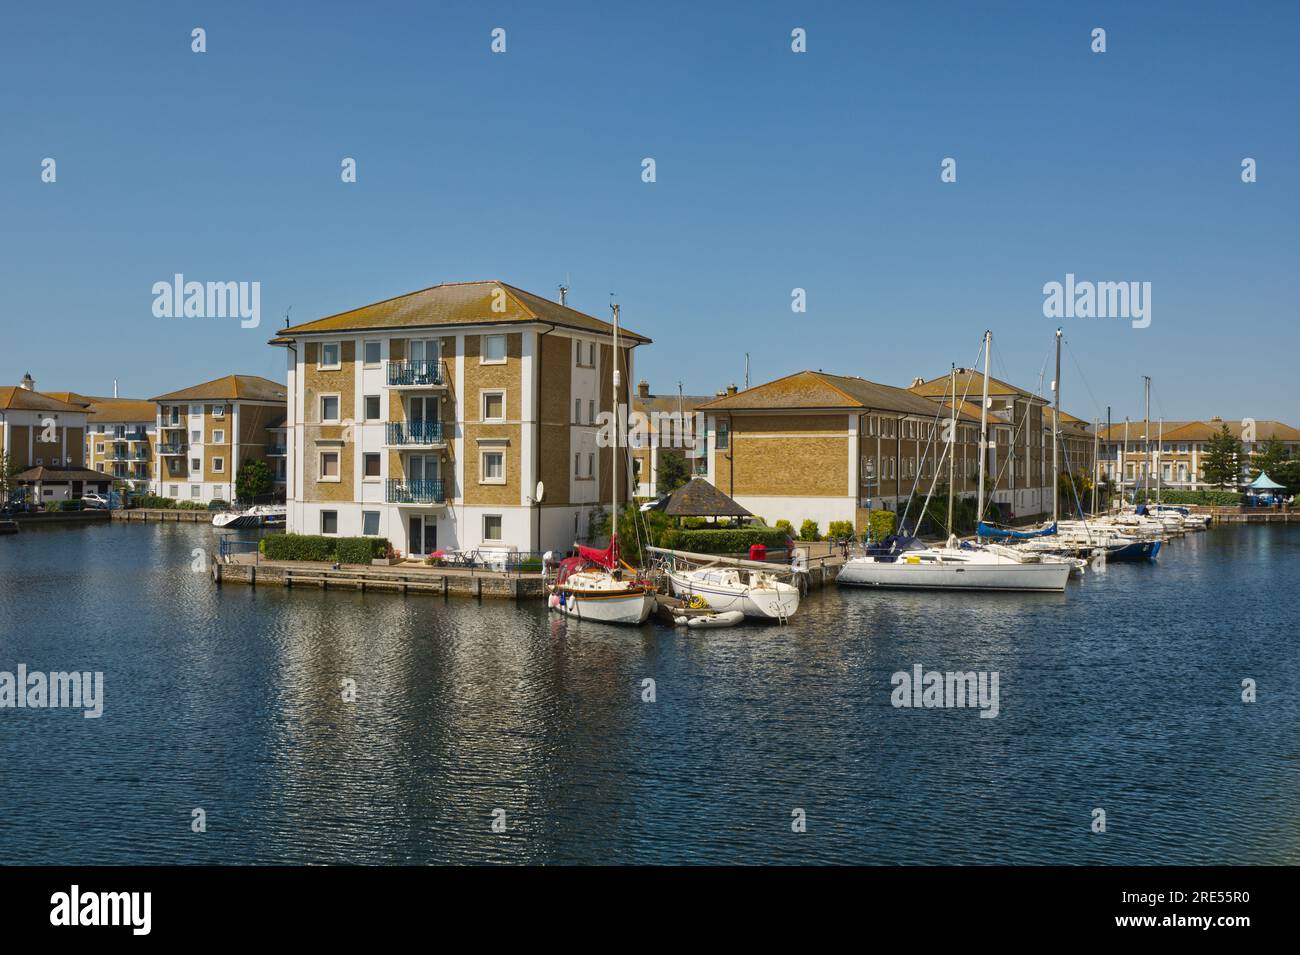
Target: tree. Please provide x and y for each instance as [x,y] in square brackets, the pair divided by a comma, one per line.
[253,481]
[1221,465]
[1270,459]
[672,473]
[8,475]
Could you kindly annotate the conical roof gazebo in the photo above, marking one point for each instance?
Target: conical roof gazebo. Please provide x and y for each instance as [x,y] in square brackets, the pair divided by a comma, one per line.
[1265,483]
[699,498]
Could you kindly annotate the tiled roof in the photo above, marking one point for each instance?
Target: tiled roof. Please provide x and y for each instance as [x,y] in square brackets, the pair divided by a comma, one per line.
[1200,430]
[457,303]
[821,391]
[42,473]
[969,382]
[698,498]
[231,388]
[13,398]
[121,409]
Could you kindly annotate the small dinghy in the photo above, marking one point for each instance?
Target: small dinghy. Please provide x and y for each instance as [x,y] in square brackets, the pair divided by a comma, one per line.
[728,618]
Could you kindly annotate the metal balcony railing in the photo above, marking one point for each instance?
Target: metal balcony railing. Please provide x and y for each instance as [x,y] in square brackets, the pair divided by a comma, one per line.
[173,447]
[415,492]
[420,373]
[414,432]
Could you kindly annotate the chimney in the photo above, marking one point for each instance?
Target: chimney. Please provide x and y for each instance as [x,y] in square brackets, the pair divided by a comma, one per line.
[564,292]
[917,382]
[28,383]
[731,389]
[114,387]
[643,389]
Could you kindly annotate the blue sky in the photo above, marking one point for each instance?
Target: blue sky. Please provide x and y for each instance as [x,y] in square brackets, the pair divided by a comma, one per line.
[775,170]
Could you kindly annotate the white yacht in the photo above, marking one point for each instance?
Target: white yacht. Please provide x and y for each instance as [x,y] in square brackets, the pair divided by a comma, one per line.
[918,567]
[753,592]
[261,515]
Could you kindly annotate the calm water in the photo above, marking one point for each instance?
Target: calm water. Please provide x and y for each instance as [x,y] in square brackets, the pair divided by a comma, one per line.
[1122,694]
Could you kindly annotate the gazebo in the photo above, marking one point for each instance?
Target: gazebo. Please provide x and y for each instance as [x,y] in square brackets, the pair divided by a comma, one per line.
[1264,484]
[699,498]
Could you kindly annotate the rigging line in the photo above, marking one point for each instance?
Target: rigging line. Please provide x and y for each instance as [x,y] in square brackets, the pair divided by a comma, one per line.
[1096,405]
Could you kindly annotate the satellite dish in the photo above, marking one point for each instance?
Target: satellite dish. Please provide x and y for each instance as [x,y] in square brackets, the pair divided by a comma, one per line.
[539,492]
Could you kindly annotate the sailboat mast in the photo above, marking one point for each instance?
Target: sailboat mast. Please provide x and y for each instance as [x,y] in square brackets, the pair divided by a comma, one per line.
[952,444]
[1160,450]
[1096,461]
[1056,432]
[984,430]
[618,424]
[1146,441]
[1123,462]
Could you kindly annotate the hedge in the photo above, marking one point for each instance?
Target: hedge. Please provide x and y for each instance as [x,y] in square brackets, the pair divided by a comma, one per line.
[730,541]
[1212,498]
[344,550]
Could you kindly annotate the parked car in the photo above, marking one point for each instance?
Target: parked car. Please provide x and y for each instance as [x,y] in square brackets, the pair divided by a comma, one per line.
[93,500]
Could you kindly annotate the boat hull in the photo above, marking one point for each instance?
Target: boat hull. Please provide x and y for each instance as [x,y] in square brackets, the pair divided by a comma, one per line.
[1046,577]
[630,607]
[761,603]
[1138,550]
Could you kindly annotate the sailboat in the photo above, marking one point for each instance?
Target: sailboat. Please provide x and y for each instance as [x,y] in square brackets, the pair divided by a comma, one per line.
[904,562]
[728,584]
[597,584]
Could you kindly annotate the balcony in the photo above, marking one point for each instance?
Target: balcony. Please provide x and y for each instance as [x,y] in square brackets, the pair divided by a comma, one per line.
[426,434]
[417,374]
[137,436]
[415,492]
[173,447]
[276,450]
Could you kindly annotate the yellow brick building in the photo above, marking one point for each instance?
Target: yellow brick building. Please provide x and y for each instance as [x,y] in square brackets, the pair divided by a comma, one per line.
[433,419]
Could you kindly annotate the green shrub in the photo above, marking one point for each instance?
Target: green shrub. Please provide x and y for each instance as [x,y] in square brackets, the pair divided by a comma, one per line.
[1208,498]
[190,506]
[840,530]
[786,526]
[53,506]
[153,501]
[808,531]
[344,550]
[694,523]
[880,525]
[730,541]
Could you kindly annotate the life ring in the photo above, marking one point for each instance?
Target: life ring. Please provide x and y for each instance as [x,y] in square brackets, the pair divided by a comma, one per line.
[697,602]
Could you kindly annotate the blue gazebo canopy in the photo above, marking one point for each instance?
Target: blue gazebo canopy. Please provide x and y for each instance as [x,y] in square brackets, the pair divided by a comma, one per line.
[1265,483]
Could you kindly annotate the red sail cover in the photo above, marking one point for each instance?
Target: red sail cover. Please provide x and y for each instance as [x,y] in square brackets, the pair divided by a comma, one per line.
[605,558]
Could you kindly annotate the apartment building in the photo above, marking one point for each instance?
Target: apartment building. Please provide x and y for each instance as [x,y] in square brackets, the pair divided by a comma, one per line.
[462,416]
[207,432]
[43,439]
[121,434]
[1020,438]
[1172,455]
[828,447]
[667,427]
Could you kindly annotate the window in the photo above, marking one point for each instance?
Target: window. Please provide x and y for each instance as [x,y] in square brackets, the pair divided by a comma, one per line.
[329,466]
[492,467]
[372,353]
[99,448]
[494,406]
[591,354]
[724,435]
[101,429]
[577,411]
[587,349]
[195,464]
[218,436]
[173,490]
[371,462]
[196,490]
[370,522]
[577,465]
[372,408]
[218,411]
[196,410]
[494,350]
[492,527]
[329,355]
[218,465]
[591,411]
[591,464]
[329,407]
[329,522]
[196,437]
